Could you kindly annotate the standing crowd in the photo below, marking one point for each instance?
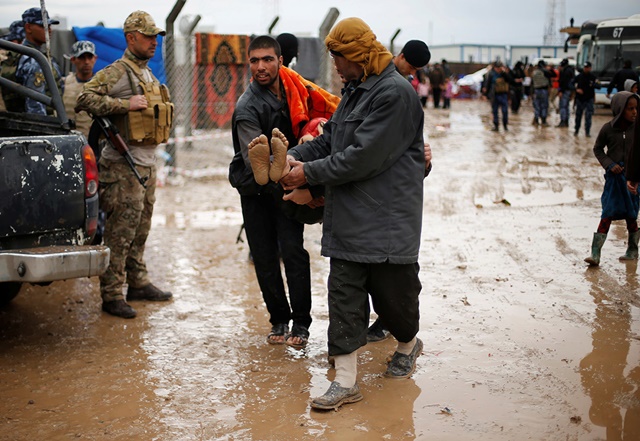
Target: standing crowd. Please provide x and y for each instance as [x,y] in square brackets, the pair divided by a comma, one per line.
[550,89]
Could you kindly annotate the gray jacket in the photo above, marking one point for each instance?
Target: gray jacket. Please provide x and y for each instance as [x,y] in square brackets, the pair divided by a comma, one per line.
[371,160]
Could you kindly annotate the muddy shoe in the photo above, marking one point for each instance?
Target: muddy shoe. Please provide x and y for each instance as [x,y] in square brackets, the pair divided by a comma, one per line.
[377,332]
[401,365]
[119,308]
[278,334]
[336,396]
[149,292]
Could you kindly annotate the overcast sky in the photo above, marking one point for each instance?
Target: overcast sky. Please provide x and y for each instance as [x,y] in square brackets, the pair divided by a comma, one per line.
[434,21]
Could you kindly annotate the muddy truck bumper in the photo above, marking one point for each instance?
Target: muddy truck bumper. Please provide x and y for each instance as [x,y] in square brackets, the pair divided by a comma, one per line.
[53,263]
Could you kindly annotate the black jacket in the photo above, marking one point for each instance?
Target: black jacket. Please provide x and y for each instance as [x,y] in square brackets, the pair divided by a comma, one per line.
[586,82]
[620,77]
[567,77]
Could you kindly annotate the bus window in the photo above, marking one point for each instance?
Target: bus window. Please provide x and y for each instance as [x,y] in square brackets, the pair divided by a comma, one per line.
[606,59]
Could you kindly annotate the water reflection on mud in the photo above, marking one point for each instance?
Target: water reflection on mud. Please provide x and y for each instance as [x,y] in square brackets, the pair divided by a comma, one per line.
[521,340]
[611,371]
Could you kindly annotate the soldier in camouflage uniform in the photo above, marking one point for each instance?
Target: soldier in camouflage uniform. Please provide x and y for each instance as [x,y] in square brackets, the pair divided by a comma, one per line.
[139,106]
[28,72]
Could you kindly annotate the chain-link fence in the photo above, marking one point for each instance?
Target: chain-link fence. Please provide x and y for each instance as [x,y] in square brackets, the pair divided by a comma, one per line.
[206,74]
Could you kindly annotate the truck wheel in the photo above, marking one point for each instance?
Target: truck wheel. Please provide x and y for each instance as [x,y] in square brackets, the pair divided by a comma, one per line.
[8,290]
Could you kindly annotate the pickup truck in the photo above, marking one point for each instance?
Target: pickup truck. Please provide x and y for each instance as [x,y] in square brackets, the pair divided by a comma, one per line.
[48,194]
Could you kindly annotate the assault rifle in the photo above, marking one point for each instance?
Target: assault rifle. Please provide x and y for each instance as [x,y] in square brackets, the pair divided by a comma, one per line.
[112,133]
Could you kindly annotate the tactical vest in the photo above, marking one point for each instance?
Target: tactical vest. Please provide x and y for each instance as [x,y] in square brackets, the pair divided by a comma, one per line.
[539,79]
[152,125]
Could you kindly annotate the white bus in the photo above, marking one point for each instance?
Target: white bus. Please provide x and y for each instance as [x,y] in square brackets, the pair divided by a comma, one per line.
[613,41]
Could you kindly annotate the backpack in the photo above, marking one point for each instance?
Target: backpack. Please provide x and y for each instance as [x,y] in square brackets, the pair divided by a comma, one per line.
[501,85]
[13,101]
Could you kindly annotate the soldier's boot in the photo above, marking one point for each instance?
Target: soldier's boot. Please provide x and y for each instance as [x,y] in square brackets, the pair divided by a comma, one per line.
[494,128]
[596,247]
[119,308]
[544,122]
[149,292]
[632,247]
[535,121]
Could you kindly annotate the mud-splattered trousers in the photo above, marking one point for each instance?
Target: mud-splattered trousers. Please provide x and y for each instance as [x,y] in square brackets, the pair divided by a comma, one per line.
[129,207]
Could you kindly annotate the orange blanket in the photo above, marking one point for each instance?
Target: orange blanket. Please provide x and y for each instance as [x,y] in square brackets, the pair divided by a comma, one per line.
[306,100]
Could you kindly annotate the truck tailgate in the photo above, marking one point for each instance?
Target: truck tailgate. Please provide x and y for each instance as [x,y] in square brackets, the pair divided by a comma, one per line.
[41,205]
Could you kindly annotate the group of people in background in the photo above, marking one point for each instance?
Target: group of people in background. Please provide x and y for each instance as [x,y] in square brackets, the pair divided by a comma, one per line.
[435,82]
[543,84]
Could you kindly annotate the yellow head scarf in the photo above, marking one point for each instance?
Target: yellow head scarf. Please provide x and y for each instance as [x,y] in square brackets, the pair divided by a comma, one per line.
[355,40]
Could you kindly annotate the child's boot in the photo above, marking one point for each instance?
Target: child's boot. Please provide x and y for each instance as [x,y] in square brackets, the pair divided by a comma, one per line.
[596,246]
[632,247]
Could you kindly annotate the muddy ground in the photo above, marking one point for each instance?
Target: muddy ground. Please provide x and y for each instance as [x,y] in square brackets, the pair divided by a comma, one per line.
[522,340]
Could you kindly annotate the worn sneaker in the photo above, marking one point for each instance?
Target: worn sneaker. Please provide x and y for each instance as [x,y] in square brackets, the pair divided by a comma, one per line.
[119,308]
[402,365]
[149,292]
[377,332]
[336,396]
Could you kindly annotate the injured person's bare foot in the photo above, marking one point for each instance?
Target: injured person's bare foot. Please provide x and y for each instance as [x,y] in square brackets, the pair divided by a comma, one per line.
[259,157]
[279,146]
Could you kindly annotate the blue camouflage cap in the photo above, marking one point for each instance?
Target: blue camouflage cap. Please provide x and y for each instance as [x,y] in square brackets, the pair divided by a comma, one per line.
[16,31]
[34,16]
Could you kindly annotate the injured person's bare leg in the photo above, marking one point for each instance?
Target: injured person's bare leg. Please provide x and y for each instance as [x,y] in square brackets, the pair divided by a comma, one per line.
[279,146]
[259,157]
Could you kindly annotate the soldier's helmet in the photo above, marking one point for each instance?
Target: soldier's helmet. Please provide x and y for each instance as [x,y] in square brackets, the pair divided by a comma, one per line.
[34,16]
[142,22]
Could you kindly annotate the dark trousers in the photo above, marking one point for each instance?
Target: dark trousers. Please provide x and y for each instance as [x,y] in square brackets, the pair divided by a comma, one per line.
[394,291]
[516,99]
[500,101]
[436,96]
[271,234]
[585,107]
[565,111]
[541,103]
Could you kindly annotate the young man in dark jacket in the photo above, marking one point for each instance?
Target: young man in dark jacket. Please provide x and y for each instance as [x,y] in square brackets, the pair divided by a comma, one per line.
[270,232]
[586,85]
[565,87]
[517,76]
[371,160]
[496,88]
